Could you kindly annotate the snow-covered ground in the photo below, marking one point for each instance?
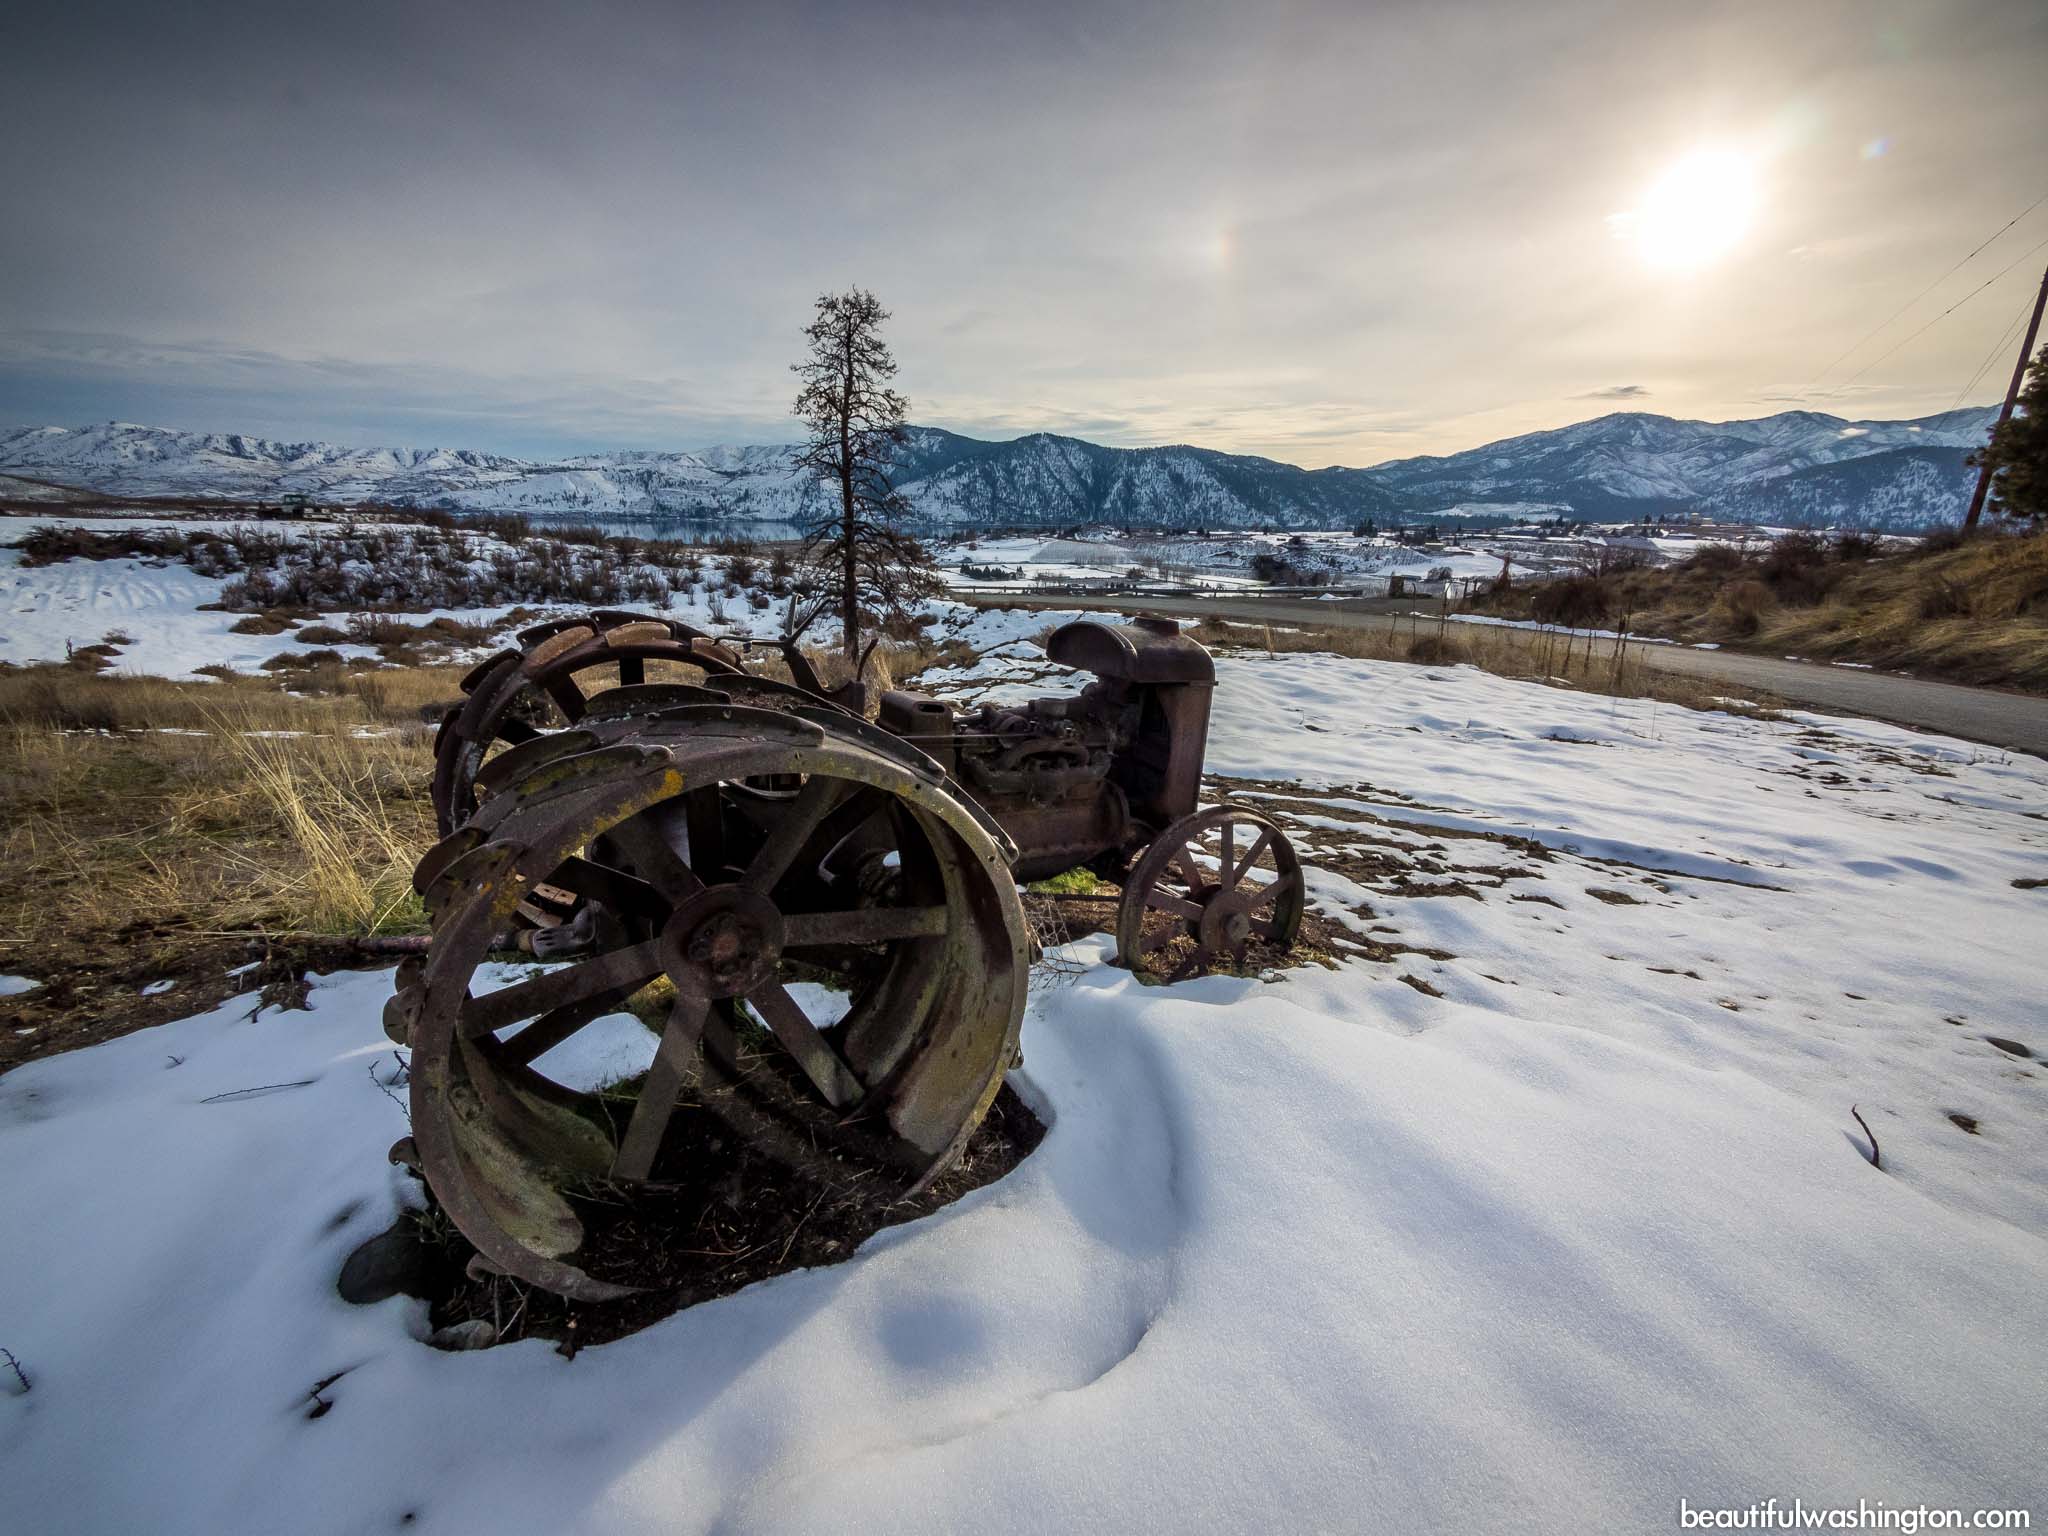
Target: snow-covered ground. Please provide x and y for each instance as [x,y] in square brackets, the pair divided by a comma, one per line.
[1221,559]
[1587,1234]
[48,610]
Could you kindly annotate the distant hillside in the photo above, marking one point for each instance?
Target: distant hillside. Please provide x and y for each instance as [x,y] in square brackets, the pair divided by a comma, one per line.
[1795,467]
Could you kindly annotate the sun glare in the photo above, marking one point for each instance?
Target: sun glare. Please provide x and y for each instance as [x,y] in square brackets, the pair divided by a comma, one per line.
[1696,211]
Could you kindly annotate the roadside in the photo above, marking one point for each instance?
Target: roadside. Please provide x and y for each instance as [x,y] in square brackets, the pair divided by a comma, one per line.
[2014,721]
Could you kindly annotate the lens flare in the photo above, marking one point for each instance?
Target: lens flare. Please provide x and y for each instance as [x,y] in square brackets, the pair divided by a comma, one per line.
[1696,210]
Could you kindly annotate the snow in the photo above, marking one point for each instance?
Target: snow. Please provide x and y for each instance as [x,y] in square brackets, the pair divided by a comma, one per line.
[1577,1239]
[47,610]
[79,602]
[990,629]
[14,986]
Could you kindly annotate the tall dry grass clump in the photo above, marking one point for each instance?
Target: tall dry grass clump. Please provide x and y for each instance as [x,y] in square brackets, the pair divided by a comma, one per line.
[343,819]
[132,805]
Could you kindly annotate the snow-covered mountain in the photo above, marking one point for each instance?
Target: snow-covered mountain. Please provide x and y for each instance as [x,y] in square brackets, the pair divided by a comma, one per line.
[1798,466]
[1869,473]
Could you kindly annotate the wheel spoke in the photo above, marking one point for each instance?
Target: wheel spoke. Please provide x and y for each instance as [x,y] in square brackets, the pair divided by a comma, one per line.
[850,813]
[1190,871]
[864,925]
[679,1040]
[557,989]
[1165,901]
[704,819]
[1291,881]
[1227,851]
[1251,857]
[513,731]
[646,842]
[558,1024]
[600,882]
[567,696]
[821,1064]
[632,671]
[779,852]
[1161,934]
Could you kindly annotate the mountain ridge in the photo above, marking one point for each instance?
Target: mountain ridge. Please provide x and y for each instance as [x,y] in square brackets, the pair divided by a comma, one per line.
[1798,467]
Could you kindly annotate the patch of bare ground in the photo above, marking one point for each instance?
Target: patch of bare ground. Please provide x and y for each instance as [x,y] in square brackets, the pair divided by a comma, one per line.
[90,993]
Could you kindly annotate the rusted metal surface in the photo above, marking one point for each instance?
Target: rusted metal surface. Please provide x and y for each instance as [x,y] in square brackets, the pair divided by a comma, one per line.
[723,894]
[1207,888]
[684,848]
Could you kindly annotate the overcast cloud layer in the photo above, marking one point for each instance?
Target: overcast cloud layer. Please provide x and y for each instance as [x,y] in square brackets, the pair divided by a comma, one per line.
[1325,233]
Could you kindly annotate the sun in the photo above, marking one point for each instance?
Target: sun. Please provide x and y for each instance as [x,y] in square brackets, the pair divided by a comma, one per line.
[1696,211]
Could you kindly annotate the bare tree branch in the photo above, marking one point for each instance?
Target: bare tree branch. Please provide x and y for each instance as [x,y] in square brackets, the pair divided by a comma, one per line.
[867,563]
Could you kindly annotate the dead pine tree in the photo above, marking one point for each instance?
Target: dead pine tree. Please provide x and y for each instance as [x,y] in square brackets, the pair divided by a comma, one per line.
[866,562]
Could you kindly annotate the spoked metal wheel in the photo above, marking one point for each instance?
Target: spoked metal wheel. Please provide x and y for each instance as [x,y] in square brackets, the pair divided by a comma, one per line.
[708,896]
[1206,891]
[562,671]
[547,681]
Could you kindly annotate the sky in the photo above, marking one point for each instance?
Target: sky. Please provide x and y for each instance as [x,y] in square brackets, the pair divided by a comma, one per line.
[1324,233]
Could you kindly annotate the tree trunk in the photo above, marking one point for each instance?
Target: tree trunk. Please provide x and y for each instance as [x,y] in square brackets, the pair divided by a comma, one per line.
[849,601]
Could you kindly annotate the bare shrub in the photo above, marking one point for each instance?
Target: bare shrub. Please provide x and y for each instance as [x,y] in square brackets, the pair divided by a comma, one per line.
[1740,607]
[1436,650]
[1944,597]
[1795,569]
[1716,559]
[1577,602]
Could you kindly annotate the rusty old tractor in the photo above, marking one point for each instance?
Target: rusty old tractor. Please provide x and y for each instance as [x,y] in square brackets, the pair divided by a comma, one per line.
[704,846]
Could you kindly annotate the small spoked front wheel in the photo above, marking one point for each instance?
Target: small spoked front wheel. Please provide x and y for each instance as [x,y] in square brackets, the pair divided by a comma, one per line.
[1210,890]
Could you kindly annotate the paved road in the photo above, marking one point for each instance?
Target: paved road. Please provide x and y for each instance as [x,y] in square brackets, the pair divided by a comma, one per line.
[2015,721]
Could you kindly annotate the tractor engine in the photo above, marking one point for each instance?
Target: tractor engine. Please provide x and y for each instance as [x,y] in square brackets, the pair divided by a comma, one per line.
[1077,778]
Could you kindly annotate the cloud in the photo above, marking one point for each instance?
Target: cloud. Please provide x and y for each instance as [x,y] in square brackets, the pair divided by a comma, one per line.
[52,378]
[1617,392]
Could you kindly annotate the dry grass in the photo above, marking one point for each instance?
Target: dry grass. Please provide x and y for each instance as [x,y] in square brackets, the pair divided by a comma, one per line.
[1971,610]
[1977,614]
[138,806]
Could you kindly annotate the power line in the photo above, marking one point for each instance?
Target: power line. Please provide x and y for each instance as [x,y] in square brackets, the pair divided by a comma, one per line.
[1930,325]
[1951,272]
[1997,347]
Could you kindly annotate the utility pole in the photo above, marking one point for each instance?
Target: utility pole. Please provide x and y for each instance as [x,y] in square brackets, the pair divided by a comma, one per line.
[2012,393]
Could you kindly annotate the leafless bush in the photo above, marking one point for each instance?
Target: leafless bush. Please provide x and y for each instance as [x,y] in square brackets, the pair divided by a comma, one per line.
[1739,608]
[1795,569]
[1715,559]
[1944,597]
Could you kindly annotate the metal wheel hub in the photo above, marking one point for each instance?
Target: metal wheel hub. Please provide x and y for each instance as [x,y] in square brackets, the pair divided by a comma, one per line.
[1198,896]
[1226,919]
[722,942]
